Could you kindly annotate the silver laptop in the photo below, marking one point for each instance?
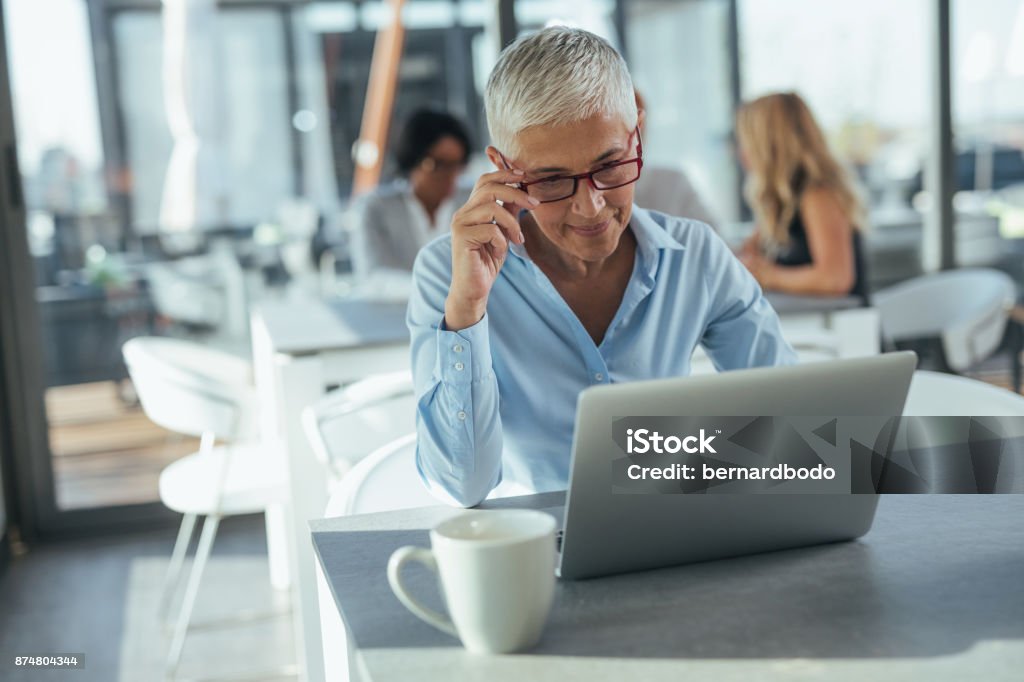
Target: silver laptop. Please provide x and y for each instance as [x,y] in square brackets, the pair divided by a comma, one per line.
[606,533]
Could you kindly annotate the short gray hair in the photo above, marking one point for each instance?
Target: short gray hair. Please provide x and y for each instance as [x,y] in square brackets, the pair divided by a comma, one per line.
[557,76]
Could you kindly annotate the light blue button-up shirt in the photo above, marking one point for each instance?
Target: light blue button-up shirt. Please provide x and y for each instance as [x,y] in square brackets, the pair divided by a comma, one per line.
[497,401]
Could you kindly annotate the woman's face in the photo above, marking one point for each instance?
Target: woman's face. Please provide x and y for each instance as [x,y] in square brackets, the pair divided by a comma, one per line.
[588,225]
[434,178]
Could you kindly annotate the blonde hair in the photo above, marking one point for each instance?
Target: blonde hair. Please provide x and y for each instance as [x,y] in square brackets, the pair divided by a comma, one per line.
[556,76]
[787,153]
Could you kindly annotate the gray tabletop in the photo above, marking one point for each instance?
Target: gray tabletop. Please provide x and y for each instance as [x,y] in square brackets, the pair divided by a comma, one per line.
[934,591]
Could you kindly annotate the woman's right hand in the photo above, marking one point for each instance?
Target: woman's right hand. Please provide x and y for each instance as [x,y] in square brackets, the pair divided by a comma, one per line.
[481,232]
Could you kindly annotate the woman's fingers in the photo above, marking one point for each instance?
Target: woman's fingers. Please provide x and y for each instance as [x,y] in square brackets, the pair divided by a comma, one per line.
[494,192]
[492,214]
[490,239]
[503,177]
[501,187]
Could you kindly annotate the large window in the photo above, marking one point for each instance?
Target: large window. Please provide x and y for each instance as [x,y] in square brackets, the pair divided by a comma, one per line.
[59,144]
[436,70]
[680,62]
[99,130]
[863,67]
[988,116]
[175,171]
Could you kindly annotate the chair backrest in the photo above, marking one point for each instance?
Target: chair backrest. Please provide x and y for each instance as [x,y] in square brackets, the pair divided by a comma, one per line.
[349,423]
[937,394]
[967,309]
[385,480]
[184,298]
[934,394]
[192,389]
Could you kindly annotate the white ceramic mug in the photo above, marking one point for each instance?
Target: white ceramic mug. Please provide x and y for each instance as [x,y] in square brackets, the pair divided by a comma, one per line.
[497,575]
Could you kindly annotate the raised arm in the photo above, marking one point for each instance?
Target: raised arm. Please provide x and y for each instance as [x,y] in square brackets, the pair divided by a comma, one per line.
[458,423]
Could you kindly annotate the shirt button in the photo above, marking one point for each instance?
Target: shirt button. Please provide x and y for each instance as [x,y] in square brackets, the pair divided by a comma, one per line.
[459,366]
[598,377]
[457,348]
[461,415]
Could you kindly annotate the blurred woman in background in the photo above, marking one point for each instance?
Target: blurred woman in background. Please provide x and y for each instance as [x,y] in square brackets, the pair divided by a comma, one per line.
[394,221]
[809,218]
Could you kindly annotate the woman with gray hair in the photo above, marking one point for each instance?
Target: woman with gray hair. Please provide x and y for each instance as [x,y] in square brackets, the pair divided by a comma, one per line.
[552,281]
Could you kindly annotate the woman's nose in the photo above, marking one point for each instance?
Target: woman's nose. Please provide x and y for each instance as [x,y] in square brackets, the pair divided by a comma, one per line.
[588,200]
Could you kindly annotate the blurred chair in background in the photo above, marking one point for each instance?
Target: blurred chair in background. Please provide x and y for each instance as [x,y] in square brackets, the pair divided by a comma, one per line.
[349,423]
[299,221]
[197,391]
[957,416]
[385,480]
[953,320]
[188,294]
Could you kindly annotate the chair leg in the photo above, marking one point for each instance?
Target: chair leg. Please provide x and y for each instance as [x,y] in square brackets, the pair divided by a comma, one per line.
[181,629]
[188,524]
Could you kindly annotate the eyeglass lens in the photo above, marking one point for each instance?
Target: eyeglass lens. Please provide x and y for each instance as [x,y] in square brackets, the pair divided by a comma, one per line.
[563,187]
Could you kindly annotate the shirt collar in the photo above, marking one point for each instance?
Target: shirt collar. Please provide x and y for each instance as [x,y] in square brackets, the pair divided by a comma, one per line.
[650,239]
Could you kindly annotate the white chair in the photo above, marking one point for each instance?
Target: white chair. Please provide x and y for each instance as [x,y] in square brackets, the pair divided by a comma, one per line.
[188,292]
[934,394]
[937,394]
[197,391]
[347,424]
[955,318]
[385,480]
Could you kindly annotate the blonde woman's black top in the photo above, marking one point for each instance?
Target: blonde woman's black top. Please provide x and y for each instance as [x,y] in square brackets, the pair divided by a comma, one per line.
[798,252]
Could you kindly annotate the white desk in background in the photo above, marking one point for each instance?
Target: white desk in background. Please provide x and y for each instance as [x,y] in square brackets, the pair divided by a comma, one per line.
[818,328]
[301,347]
[854,329]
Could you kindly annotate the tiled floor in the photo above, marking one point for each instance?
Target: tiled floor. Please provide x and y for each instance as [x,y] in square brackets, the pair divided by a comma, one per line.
[99,597]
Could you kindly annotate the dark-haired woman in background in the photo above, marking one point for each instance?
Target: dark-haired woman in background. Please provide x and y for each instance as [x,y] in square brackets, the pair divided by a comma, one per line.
[809,219]
[394,221]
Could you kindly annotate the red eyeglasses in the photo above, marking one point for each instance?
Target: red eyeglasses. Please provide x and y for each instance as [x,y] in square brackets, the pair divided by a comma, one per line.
[612,176]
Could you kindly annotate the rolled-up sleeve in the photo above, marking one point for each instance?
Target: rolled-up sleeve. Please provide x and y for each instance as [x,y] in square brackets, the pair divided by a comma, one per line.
[459,443]
[742,329]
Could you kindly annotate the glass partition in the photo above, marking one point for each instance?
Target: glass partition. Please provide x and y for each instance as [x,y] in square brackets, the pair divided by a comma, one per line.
[175,172]
[988,123]
[865,69]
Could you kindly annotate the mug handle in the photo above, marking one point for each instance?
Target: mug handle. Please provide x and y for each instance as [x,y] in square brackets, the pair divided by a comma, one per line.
[402,556]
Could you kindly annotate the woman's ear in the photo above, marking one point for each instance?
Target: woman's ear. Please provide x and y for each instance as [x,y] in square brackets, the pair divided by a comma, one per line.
[495,156]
